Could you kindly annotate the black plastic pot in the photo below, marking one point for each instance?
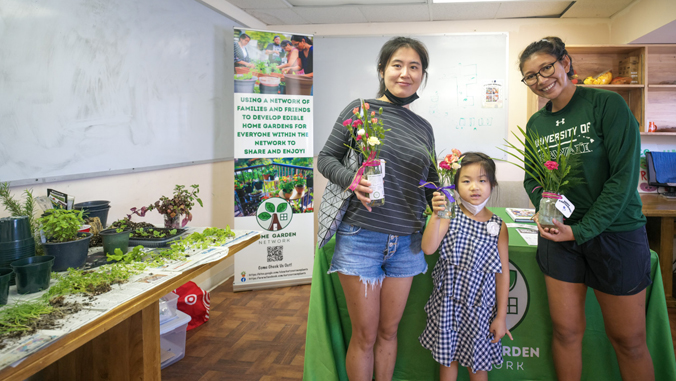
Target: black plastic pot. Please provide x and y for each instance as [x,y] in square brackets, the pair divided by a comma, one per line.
[257,184]
[248,188]
[113,240]
[33,273]
[15,229]
[102,214]
[69,254]
[5,276]
[91,204]
[310,181]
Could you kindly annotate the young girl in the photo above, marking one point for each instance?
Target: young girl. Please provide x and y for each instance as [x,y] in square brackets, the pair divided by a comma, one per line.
[466,313]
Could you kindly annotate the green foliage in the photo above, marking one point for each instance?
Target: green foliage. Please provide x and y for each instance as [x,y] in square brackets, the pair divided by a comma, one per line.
[534,155]
[244,77]
[263,38]
[22,316]
[286,184]
[61,225]
[179,205]
[90,282]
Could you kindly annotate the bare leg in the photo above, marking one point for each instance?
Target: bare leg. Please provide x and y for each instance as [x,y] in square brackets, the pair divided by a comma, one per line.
[364,312]
[624,318]
[481,375]
[448,373]
[393,296]
[566,307]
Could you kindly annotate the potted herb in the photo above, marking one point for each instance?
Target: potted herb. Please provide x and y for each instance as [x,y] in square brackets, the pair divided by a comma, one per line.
[173,208]
[62,239]
[244,83]
[286,185]
[299,183]
[239,189]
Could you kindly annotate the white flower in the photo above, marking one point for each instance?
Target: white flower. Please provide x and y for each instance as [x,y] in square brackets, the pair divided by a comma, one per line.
[455,166]
[361,132]
[493,228]
[373,141]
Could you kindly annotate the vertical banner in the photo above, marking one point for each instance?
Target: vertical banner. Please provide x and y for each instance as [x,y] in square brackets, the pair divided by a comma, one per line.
[273,158]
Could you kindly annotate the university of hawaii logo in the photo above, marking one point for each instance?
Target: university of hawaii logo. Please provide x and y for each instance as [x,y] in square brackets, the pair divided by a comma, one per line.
[519,297]
[274,214]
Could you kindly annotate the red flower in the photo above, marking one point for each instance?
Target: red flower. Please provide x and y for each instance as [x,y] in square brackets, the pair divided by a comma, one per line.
[347,123]
[450,159]
[551,165]
[444,165]
[357,123]
[358,137]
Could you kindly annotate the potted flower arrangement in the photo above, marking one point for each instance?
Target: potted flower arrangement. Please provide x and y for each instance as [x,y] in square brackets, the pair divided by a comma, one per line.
[173,208]
[447,168]
[368,133]
[62,239]
[286,185]
[554,170]
[299,183]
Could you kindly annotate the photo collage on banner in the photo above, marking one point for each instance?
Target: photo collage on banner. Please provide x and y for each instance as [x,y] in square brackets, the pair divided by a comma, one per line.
[273,177]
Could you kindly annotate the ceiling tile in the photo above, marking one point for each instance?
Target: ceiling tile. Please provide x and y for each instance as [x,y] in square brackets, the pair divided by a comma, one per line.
[464,11]
[331,15]
[596,8]
[278,16]
[531,9]
[395,13]
[258,4]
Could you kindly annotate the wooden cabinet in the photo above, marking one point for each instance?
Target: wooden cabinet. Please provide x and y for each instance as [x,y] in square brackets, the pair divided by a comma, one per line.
[652,99]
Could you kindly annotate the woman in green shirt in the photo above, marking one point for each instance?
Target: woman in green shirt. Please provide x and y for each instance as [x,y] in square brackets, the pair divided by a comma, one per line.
[603,245]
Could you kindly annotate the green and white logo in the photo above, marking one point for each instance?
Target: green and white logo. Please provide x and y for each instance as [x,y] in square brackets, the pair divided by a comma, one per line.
[519,297]
[274,214]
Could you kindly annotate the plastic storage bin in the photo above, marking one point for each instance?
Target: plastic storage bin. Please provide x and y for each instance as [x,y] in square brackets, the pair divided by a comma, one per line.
[172,339]
[168,307]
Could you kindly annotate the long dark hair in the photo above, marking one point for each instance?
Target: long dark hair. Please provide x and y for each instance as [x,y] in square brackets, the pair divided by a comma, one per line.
[390,48]
[487,164]
[553,46]
[299,38]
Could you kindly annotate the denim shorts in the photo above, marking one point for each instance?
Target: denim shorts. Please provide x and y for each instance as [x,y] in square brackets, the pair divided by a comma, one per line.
[373,256]
[613,263]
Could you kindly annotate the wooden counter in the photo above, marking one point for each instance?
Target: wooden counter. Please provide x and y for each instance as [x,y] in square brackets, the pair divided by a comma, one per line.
[123,344]
[661,213]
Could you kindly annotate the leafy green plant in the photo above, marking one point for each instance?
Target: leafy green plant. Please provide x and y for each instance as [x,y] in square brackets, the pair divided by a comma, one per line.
[61,225]
[286,184]
[244,77]
[298,180]
[15,209]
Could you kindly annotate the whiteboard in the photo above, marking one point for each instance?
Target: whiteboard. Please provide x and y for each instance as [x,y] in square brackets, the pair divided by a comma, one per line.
[91,87]
[452,100]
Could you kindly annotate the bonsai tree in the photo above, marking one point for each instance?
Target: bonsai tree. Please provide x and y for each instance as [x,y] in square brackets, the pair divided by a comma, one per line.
[61,225]
[179,205]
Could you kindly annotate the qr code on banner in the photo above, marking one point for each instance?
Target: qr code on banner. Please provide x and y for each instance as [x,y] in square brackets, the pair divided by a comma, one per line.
[275,253]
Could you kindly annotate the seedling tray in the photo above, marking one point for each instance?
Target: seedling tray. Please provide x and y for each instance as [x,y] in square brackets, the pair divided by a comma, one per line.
[156,242]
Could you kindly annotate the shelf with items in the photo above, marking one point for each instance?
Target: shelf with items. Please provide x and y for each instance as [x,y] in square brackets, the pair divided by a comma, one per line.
[661,79]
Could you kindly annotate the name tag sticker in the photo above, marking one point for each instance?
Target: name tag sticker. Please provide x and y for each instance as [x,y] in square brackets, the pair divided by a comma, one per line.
[564,206]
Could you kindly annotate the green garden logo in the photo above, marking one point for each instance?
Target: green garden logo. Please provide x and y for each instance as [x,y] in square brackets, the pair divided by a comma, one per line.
[274,214]
[519,297]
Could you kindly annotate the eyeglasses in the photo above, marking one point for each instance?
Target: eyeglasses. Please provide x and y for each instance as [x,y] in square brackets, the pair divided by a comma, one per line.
[545,72]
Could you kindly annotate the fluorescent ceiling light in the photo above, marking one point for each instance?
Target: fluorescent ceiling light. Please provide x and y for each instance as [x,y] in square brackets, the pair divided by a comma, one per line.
[333,3]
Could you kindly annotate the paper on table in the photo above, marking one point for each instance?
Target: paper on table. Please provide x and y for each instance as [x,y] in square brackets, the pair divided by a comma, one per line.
[523,226]
[529,235]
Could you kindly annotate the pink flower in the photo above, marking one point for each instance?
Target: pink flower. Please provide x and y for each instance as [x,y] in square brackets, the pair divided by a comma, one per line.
[357,123]
[374,120]
[551,165]
[355,111]
[347,123]
[366,106]
[456,152]
[444,165]
[358,137]
[450,159]
[373,113]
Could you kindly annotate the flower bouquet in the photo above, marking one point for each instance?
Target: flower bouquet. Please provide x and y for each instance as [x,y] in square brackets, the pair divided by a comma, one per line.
[555,170]
[446,168]
[368,134]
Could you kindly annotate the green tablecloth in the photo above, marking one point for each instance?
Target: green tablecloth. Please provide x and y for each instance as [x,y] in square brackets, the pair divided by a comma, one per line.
[528,357]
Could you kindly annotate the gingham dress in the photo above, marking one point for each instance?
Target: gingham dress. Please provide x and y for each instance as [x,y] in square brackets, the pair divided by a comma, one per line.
[463,305]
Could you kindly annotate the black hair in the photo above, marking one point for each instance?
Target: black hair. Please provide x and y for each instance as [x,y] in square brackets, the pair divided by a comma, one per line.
[299,38]
[553,46]
[487,164]
[285,43]
[244,36]
[388,50]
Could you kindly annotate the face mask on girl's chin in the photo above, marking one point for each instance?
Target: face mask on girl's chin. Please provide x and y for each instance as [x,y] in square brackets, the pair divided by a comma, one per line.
[474,209]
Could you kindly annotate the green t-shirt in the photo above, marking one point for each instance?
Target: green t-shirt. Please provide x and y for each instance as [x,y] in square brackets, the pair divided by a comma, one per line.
[606,137]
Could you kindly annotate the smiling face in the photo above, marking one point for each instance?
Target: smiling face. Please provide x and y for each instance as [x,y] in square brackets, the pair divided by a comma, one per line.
[554,86]
[473,186]
[403,73]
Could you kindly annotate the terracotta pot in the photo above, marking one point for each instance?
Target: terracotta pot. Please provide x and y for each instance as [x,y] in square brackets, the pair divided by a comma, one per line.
[266,177]
[298,84]
[287,196]
[300,189]
[242,70]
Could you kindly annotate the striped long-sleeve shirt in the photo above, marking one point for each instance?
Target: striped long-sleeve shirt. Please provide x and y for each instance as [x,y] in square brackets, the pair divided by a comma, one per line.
[406,150]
